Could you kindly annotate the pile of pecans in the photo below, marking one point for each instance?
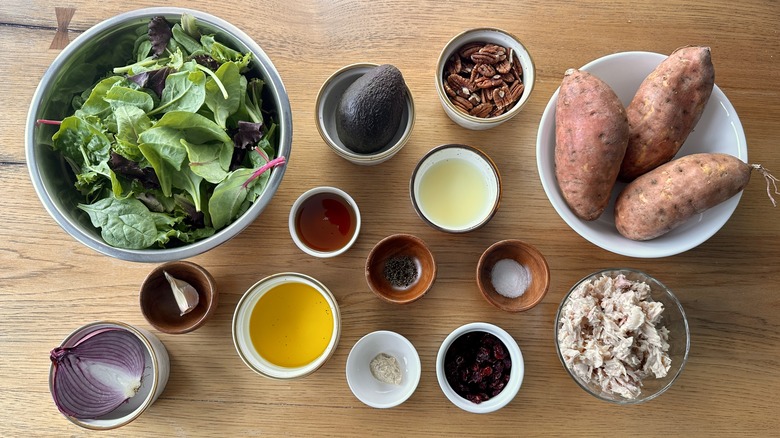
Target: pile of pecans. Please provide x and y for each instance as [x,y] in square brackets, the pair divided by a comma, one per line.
[483,79]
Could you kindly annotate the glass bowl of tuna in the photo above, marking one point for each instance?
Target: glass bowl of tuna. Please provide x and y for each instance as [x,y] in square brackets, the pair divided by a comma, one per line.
[622,336]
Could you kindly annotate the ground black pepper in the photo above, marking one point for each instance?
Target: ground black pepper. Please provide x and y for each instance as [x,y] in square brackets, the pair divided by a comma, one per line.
[401,271]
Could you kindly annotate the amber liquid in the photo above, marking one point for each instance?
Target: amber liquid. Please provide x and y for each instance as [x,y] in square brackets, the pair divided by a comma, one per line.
[291,325]
[325,222]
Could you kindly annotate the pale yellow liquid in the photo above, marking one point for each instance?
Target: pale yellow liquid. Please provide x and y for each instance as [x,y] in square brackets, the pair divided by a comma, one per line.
[291,325]
[454,194]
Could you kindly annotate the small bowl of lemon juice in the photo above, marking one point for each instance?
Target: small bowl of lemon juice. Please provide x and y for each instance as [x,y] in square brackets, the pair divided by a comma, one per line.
[455,188]
[286,326]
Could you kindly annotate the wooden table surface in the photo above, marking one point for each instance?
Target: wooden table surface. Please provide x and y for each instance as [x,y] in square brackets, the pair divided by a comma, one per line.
[50,284]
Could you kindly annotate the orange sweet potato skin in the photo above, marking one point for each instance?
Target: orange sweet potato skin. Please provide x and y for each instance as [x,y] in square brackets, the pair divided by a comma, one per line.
[666,197]
[666,108]
[591,135]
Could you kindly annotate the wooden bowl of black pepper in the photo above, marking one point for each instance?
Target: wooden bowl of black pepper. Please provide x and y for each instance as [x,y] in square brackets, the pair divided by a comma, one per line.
[400,269]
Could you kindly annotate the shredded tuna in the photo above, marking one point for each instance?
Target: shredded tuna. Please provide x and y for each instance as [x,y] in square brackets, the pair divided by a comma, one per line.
[610,334]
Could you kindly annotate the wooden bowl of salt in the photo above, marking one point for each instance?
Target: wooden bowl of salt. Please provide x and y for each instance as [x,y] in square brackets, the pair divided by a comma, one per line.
[513,275]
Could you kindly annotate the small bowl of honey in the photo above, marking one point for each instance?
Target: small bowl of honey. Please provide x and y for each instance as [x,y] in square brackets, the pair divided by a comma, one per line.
[286,326]
[324,222]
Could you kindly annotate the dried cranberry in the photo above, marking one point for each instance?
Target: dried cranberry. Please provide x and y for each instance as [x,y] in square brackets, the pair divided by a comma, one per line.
[499,352]
[483,355]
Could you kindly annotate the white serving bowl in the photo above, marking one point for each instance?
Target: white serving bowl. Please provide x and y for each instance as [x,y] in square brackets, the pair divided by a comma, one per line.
[515,377]
[153,381]
[718,130]
[296,208]
[485,35]
[368,389]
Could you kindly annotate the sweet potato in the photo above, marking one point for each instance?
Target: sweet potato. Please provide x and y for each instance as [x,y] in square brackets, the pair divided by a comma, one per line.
[666,197]
[666,108]
[591,135]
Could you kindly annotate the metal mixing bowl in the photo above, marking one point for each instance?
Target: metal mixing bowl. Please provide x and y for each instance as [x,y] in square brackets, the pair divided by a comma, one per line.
[75,69]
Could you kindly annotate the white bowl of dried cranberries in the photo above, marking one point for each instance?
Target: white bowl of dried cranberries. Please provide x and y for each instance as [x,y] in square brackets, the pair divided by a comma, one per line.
[480,367]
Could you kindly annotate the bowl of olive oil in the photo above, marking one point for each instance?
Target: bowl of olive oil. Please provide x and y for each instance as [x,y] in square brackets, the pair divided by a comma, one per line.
[286,326]
[455,188]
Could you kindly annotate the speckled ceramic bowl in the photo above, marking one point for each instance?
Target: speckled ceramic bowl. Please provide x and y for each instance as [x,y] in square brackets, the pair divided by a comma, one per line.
[485,35]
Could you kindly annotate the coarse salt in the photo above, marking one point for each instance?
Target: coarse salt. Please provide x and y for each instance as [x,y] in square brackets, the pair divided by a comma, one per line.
[509,278]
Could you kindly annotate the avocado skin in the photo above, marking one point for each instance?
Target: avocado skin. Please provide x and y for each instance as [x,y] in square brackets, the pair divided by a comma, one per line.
[370,111]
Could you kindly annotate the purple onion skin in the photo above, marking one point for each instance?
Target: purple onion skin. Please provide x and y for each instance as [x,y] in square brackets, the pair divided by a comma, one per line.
[77,389]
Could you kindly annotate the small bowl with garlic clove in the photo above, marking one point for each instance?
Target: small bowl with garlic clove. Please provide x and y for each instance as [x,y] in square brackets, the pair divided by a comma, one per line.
[178,297]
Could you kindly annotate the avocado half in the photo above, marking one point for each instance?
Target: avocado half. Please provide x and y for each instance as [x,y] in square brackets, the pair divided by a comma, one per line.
[370,111]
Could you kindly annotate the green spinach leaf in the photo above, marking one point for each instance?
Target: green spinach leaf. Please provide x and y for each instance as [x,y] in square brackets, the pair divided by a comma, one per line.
[122,96]
[223,107]
[209,160]
[124,223]
[193,127]
[228,197]
[184,91]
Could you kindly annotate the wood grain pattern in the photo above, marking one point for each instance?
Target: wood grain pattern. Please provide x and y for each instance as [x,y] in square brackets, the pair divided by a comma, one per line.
[50,284]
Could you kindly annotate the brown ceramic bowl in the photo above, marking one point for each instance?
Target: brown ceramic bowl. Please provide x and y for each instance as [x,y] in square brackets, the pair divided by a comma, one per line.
[159,306]
[396,247]
[524,254]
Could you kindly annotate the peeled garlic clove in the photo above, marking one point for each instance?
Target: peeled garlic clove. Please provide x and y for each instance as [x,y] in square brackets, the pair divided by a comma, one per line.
[186,295]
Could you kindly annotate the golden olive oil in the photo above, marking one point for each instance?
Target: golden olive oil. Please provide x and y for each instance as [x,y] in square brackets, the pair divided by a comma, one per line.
[454,194]
[291,325]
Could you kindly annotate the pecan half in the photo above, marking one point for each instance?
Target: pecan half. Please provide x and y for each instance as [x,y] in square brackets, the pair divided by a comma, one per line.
[462,103]
[485,69]
[496,112]
[517,68]
[485,58]
[488,82]
[482,110]
[469,49]
[516,90]
[453,65]
[504,66]
[458,82]
[501,97]
[447,89]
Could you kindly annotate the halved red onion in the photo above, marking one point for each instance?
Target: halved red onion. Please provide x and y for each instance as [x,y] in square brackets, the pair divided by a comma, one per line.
[99,373]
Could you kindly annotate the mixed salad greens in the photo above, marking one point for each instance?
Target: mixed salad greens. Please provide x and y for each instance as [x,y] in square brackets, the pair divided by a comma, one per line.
[174,146]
